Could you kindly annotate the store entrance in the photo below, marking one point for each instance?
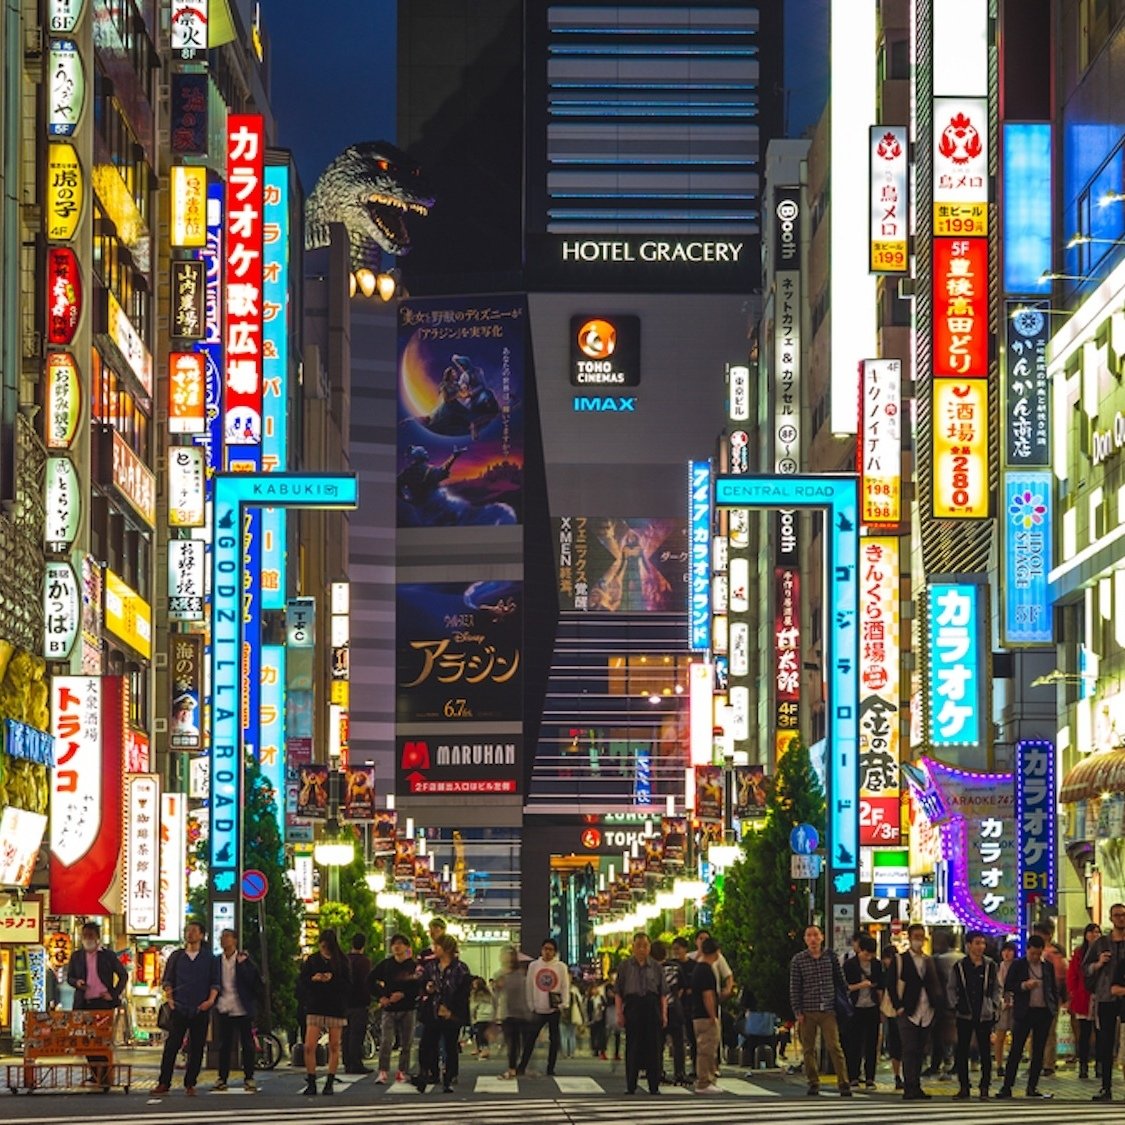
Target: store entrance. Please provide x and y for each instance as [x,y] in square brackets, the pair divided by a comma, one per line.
[574,882]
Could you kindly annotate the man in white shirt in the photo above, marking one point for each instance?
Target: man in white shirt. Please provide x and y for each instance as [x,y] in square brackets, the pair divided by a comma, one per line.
[239,981]
[548,996]
[916,994]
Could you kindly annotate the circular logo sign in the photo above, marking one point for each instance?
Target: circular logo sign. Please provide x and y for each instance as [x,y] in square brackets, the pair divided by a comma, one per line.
[597,339]
[787,210]
[591,838]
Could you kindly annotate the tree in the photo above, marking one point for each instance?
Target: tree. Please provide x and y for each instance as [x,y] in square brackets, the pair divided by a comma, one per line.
[354,912]
[761,918]
[264,851]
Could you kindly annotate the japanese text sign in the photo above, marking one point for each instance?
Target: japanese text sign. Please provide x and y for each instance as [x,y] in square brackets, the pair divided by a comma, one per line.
[956,664]
[1026,543]
[890,219]
[961,307]
[960,440]
[879,450]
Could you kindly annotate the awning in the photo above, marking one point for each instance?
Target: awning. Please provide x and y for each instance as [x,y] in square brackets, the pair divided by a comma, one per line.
[1100,773]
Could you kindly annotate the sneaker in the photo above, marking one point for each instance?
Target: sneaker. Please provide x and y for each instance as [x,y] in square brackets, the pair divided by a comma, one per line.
[962,1096]
[400,1075]
[1004,1092]
[870,1086]
[250,1086]
[219,1086]
[709,1089]
[190,1091]
[1039,1095]
[159,1089]
[381,1078]
[1100,1096]
[813,1092]
[845,1091]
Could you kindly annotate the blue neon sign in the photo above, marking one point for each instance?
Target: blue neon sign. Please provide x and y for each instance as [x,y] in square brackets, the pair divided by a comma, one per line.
[211,347]
[1036,814]
[699,515]
[272,730]
[1027,545]
[1026,214]
[275,374]
[839,496]
[956,669]
[233,494]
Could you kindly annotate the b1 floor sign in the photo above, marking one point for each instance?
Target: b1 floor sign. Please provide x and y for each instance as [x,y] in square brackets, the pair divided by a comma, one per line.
[234,493]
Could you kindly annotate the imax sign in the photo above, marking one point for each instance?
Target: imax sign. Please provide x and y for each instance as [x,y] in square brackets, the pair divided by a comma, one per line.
[605,404]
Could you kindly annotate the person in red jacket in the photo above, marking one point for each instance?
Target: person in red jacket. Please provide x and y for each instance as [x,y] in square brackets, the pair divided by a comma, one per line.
[1081,1015]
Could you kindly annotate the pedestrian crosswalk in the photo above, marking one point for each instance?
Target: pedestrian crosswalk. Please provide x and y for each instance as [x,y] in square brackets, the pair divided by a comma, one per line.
[492,1085]
[641,1109]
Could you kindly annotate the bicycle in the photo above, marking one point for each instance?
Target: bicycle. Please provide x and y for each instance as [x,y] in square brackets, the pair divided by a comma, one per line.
[268,1050]
[373,1036]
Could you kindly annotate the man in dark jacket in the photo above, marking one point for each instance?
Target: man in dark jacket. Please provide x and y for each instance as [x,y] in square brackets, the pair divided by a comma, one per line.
[915,992]
[1035,1003]
[98,979]
[359,1007]
[96,975]
[863,974]
[191,986]
[974,996]
[239,982]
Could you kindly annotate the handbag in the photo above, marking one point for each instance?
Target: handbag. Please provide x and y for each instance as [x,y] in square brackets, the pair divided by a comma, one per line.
[164,1016]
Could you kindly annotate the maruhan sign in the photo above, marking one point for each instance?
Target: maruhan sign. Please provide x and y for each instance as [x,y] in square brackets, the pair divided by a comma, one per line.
[653,251]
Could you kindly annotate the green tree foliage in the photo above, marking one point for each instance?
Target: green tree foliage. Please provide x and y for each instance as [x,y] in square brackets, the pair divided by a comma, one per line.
[761,919]
[282,911]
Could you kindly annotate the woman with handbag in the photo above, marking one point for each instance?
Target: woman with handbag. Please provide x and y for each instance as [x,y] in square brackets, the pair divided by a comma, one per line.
[444,1011]
[326,985]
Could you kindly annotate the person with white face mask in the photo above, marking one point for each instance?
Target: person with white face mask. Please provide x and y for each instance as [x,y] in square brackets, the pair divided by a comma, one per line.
[98,979]
[916,995]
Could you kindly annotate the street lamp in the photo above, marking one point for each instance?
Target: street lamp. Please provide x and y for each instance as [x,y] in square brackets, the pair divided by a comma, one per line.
[1050,276]
[1108,197]
[1054,676]
[336,849]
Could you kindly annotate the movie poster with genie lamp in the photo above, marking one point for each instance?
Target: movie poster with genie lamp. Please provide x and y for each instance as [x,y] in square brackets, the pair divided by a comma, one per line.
[612,565]
[461,411]
[459,652]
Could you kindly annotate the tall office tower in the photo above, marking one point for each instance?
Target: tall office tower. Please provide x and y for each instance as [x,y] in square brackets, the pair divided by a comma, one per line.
[634,132]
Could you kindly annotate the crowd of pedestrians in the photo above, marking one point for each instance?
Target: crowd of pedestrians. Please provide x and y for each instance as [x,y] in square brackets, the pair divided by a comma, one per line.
[934,1012]
[675,1008]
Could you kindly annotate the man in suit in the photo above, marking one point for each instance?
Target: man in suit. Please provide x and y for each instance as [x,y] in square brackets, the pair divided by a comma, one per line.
[1035,1003]
[916,995]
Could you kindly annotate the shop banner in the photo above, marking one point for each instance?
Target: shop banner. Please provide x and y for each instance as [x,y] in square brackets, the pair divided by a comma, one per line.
[88,722]
[957,663]
[1036,825]
[673,831]
[461,396]
[1027,391]
[459,764]
[751,788]
[1026,543]
[312,795]
[359,793]
[383,833]
[709,792]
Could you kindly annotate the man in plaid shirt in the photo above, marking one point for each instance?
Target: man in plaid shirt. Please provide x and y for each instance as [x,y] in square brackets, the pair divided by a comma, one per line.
[812,995]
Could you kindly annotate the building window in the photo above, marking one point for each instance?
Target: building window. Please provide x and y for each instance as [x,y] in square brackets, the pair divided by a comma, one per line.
[1096,22]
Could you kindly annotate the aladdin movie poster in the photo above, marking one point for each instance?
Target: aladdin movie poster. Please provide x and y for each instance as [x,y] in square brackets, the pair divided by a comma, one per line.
[610,565]
[459,652]
[460,411]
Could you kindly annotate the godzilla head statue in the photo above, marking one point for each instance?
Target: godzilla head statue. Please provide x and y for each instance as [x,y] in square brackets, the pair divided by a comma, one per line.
[371,188]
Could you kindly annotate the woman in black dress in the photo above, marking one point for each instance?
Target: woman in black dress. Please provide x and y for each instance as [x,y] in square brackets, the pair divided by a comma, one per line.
[325,986]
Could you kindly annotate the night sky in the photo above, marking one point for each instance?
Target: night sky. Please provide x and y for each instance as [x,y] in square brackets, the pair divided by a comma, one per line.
[333,79]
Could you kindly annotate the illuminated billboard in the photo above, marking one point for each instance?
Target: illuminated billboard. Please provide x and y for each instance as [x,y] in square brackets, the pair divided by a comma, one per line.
[960,440]
[699,513]
[890,211]
[1026,545]
[189,205]
[880,687]
[242,391]
[960,156]
[957,663]
[961,333]
[879,450]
